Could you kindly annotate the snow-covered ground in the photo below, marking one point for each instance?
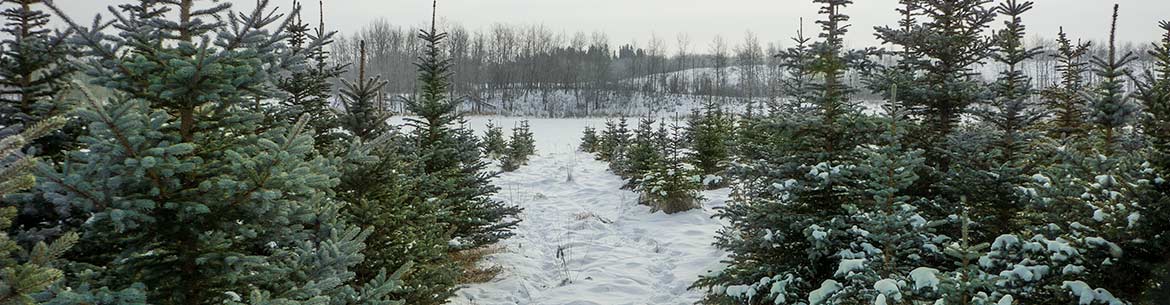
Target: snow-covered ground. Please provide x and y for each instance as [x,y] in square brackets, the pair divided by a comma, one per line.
[584,240]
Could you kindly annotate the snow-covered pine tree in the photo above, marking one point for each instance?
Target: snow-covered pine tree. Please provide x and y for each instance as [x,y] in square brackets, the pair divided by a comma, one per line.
[34,73]
[614,141]
[309,89]
[191,198]
[450,160]
[362,112]
[520,148]
[494,144]
[670,183]
[795,176]
[1110,107]
[709,137]
[589,140]
[994,157]
[1065,100]
[1154,93]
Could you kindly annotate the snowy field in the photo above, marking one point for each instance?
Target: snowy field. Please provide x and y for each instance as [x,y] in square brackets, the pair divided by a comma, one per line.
[584,240]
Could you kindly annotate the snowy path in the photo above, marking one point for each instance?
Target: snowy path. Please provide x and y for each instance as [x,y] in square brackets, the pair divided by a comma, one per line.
[586,241]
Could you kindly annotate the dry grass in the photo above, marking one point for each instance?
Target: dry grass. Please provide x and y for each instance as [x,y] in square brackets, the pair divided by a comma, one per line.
[469,260]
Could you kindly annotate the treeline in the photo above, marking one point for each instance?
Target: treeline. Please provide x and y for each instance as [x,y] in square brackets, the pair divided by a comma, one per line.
[535,70]
[217,166]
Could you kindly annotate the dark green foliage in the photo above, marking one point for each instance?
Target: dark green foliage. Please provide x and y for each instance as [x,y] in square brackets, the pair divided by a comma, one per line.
[381,194]
[644,152]
[494,144]
[520,148]
[988,172]
[668,183]
[34,72]
[362,112]
[936,67]
[589,140]
[25,272]
[1066,99]
[450,164]
[309,89]
[614,140]
[190,197]
[710,134]
[1110,107]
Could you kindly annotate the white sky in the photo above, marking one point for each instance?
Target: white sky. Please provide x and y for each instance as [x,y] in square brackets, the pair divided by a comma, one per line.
[701,20]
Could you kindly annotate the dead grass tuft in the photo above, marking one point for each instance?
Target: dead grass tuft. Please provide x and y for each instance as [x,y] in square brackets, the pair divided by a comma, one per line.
[469,260]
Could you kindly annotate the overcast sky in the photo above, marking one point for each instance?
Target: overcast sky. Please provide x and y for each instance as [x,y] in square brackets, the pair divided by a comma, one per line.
[700,20]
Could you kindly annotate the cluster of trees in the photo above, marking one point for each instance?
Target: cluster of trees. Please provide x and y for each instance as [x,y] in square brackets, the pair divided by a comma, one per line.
[207,160]
[511,153]
[963,191]
[667,164]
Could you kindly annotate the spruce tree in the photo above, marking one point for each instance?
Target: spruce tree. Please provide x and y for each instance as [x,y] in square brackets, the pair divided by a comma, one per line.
[450,159]
[1110,106]
[589,140]
[1066,99]
[362,113]
[1154,93]
[520,148]
[644,152]
[941,52]
[309,89]
[34,78]
[191,198]
[709,136]
[34,74]
[796,176]
[25,272]
[669,182]
[494,144]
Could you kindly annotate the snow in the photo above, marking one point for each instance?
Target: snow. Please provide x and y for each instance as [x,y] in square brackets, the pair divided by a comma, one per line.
[828,288]
[1006,300]
[888,287]
[849,265]
[1086,295]
[917,221]
[615,251]
[925,277]
[1005,241]
[818,232]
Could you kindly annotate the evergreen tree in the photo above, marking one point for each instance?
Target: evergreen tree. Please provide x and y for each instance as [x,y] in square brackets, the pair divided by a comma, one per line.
[709,134]
[449,155]
[589,140]
[309,89]
[520,148]
[494,145]
[989,172]
[34,76]
[644,152]
[1154,93]
[1066,99]
[406,228]
[190,196]
[1110,107]
[34,73]
[795,177]
[25,273]
[669,183]
[941,51]
[362,113]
